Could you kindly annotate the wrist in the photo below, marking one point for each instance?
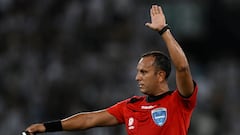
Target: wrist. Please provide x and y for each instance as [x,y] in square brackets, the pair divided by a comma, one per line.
[53,126]
[164,29]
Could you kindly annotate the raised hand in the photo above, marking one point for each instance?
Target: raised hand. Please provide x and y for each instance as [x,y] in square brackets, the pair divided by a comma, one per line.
[158,20]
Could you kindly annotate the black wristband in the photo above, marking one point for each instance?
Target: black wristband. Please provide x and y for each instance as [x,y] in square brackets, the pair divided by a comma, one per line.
[53,126]
[165,28]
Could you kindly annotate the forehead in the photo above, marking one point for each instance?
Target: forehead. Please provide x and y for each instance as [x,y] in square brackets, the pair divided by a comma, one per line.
[146,62]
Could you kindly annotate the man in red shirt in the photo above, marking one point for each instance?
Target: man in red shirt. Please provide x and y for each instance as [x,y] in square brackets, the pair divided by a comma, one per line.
[166,114]
[160,112]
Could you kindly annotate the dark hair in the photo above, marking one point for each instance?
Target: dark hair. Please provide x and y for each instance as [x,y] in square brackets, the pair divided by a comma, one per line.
[162,61]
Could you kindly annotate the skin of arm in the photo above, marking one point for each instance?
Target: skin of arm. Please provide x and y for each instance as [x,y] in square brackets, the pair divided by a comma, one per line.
[88,120]
[183,74]
[80,121]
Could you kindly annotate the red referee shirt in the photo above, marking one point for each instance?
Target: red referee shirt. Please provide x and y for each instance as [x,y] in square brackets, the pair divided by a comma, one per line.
[167,114]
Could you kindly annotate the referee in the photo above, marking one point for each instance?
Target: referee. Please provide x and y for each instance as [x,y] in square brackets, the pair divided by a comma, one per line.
[161,111]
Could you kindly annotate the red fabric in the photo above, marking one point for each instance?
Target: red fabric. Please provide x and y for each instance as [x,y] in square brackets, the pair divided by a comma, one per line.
[139,116]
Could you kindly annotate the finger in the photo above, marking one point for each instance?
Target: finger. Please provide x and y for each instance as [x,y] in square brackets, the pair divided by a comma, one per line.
[29,131]
[160,9]
[151,11]
[155,9]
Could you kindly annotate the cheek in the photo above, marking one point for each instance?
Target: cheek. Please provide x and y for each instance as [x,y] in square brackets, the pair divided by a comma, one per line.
[152,84]
[150,81]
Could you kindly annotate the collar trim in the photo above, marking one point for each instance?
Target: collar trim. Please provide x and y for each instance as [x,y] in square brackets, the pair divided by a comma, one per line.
[150,99]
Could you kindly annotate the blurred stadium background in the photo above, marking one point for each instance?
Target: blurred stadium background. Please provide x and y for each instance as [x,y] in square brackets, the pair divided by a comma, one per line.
[60,57]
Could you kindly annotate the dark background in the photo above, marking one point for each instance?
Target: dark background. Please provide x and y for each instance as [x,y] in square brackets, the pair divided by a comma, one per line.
[61,57]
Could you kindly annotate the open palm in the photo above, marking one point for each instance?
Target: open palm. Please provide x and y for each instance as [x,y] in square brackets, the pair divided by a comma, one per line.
[157,18]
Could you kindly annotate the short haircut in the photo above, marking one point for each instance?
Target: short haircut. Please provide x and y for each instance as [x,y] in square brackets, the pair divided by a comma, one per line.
[161,62]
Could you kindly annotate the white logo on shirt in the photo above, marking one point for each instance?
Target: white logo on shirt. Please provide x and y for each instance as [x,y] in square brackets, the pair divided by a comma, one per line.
[148,107]
[130,123]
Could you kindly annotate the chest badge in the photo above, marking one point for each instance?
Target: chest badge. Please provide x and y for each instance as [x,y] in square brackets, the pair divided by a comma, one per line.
[159,116]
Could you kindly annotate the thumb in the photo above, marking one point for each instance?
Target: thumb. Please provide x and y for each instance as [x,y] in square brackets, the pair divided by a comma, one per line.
[148,25]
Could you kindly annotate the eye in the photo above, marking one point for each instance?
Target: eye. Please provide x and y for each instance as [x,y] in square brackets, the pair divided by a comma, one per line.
[143,72]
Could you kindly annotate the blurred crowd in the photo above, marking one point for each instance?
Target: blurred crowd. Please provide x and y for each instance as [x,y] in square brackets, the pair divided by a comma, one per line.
[58,58]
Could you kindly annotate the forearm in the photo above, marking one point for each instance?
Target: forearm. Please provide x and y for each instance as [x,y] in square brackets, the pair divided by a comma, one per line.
[183,73]
[82,121]
[175,51]
[78,121]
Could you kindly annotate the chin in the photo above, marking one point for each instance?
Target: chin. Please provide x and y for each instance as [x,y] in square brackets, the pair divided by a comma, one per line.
[144,91]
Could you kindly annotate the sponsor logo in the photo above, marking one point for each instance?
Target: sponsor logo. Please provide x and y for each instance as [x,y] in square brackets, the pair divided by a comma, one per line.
[159,116]
[148,107]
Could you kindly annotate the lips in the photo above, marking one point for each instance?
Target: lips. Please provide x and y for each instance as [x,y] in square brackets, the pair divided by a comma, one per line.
[140,85]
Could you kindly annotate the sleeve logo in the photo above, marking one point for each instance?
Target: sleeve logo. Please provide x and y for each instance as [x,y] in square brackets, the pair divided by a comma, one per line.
[159,116]
[130,123]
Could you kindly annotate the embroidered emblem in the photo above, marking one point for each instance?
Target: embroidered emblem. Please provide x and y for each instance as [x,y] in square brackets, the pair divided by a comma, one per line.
[159,116]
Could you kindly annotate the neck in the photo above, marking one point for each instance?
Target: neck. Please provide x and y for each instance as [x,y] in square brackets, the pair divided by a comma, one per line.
[163,89]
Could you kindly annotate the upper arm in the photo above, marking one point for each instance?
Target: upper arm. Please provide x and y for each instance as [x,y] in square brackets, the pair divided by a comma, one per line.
[184,82]
[103,118]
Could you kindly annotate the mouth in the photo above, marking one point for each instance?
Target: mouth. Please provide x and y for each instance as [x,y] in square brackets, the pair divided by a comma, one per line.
[140,85]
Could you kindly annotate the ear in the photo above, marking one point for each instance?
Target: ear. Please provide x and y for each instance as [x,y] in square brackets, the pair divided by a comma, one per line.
[161,75]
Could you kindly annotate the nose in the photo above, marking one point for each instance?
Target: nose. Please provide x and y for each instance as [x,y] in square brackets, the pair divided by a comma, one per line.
[137,77]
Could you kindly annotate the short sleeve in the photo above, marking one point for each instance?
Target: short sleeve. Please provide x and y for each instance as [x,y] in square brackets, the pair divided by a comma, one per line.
[117,111]
[189,102]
